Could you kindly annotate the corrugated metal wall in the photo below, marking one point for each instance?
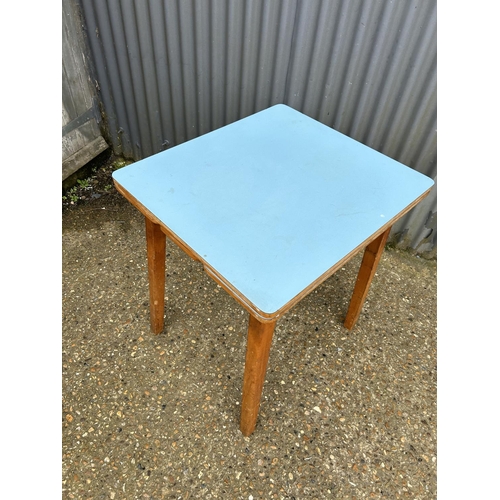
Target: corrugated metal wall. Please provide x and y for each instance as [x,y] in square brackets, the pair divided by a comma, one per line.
[170,70]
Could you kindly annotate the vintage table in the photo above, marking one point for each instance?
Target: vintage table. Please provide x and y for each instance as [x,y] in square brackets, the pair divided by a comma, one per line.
[271,205]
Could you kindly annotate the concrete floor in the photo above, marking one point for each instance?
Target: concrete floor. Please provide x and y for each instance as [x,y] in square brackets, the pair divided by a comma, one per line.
[344,415]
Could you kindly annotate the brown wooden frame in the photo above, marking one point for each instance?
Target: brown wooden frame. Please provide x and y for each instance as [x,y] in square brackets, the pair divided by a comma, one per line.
[261,325]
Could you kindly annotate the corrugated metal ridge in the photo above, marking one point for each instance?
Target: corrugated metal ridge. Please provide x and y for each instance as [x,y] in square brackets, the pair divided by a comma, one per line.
[171,70]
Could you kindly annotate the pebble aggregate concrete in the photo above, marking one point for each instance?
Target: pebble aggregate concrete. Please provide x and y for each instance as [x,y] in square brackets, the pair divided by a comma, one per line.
[344,414]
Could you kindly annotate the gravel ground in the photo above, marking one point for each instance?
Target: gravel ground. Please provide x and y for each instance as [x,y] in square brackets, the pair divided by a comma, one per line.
[344,415]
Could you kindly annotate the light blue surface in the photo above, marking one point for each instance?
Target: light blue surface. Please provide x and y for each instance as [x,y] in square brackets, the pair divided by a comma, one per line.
[273,201]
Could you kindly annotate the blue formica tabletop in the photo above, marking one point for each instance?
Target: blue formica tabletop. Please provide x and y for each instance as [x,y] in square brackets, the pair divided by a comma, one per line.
[271,203]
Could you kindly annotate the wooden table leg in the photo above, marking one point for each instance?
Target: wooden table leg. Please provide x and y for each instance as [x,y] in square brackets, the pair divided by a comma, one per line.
[156,244]
[369,264]
[260,336]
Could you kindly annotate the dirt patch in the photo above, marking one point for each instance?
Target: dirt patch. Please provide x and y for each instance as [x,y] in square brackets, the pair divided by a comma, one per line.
[93,181]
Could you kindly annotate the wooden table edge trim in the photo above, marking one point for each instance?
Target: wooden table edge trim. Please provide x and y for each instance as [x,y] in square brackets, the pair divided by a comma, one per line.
[218,278]
[262,316]
[332,270]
